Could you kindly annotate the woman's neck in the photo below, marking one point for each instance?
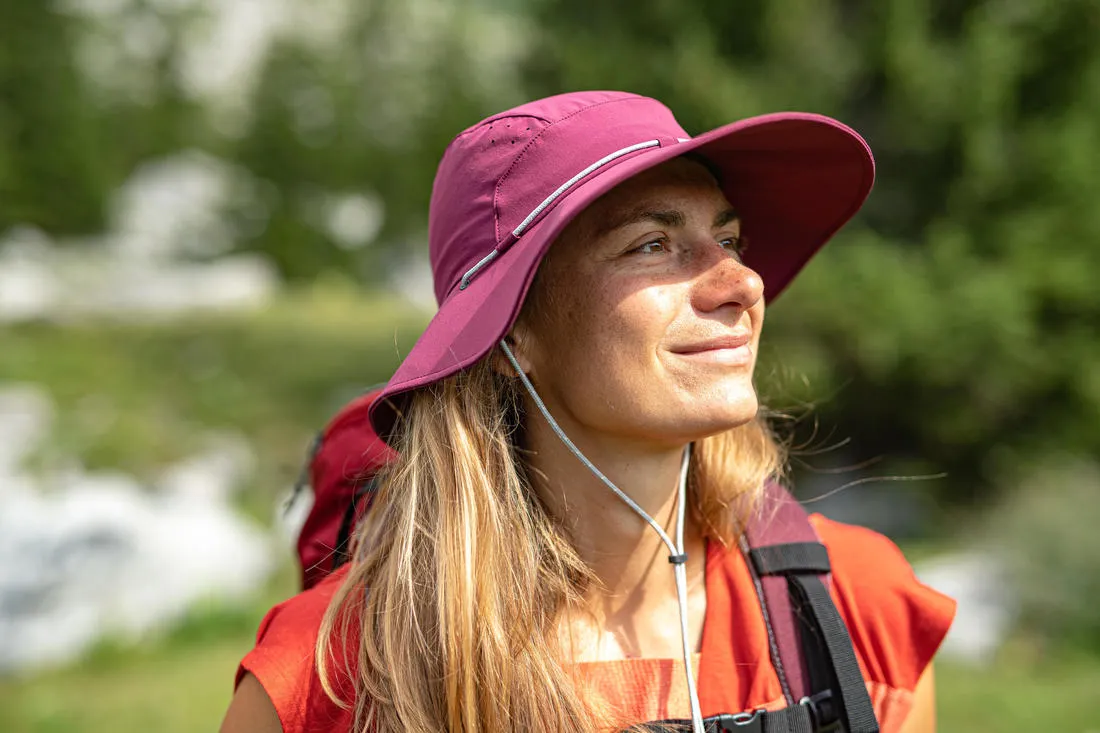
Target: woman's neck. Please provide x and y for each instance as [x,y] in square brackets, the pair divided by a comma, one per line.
[632,608]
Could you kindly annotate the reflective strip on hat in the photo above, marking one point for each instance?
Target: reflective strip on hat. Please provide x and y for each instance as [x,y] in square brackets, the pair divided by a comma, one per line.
[518,231]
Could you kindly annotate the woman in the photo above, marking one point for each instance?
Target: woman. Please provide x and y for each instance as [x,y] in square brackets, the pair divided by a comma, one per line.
[574,415]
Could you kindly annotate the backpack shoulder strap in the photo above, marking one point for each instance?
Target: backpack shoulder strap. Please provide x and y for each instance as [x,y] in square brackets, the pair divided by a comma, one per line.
[810,646]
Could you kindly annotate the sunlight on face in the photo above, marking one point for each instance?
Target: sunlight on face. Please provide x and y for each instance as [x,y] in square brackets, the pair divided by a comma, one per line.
[643,322]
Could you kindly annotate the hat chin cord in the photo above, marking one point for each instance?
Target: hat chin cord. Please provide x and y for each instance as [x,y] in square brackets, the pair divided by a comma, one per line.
[677,557]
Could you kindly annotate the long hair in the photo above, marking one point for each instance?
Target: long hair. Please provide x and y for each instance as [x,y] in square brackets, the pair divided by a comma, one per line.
[447,618]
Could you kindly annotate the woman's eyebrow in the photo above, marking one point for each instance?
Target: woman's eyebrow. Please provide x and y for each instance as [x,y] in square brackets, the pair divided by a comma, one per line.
[726,217]
[665,217]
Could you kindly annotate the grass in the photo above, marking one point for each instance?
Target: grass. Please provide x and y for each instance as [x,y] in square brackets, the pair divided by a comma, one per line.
[180,681]
[181,689]
[1058,694]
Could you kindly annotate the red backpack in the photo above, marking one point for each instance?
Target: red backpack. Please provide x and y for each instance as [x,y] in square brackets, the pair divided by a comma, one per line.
[341,468]
[810,646]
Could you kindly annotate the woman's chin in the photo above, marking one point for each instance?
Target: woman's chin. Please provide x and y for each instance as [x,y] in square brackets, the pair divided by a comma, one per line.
[705,420]
[734,401]
[722,423]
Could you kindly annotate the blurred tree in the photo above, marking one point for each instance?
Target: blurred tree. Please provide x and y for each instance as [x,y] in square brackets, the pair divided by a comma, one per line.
[956,321]
[66,143]
[368,112]
[51,161]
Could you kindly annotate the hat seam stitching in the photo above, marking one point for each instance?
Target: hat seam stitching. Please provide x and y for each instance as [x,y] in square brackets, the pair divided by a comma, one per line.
[532,141]
[493,120]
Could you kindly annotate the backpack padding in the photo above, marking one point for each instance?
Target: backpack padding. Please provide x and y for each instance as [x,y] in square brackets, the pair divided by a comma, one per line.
[780,520]
[811,648]
[345,457]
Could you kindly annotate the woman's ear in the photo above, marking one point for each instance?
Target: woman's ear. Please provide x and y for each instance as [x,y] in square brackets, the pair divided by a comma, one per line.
[518,341]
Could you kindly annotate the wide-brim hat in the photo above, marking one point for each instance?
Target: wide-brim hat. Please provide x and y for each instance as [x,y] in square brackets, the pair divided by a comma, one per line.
[508,186]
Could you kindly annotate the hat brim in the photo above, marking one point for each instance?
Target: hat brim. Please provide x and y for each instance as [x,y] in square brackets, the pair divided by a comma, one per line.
[794,178]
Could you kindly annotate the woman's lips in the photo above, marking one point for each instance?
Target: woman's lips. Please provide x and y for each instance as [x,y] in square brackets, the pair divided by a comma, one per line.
[731,350]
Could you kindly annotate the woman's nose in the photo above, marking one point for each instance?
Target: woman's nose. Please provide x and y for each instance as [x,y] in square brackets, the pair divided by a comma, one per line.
[726,281]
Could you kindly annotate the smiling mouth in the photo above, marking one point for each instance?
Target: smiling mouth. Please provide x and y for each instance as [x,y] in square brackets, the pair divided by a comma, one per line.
[727,350]
[738,356]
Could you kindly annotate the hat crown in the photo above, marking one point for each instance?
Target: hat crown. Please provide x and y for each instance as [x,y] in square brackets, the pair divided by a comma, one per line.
[498,172]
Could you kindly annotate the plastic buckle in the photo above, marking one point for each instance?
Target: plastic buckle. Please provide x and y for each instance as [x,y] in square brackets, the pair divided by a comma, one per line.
[751,722]
[823,712]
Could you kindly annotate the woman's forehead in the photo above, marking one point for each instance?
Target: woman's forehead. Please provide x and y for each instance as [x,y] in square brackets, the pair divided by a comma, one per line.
[681,172]
[678,178]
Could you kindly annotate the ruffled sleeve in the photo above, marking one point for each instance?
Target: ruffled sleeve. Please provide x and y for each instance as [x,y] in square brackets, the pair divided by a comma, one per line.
[896,622]
[283,662]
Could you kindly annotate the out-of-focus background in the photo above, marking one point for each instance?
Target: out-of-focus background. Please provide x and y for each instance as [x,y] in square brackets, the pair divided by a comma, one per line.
[212,234]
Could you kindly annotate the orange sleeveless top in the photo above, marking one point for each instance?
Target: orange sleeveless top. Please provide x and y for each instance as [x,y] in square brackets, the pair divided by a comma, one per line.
[896,624]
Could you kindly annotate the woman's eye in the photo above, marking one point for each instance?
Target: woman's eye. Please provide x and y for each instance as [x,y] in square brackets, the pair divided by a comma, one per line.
[735,245]
[651,247]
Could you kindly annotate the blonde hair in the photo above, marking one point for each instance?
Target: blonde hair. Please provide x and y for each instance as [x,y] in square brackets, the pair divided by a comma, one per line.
[447,618]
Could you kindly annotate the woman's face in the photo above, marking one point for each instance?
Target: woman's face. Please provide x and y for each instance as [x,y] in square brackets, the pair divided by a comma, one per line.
[643,323]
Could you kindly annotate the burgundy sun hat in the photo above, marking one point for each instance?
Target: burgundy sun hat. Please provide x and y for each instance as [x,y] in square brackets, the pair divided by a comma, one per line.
[507,186]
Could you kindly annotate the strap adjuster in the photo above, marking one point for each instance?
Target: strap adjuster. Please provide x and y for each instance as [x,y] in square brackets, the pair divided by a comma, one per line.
[746,719]
[823,712]
[750,722]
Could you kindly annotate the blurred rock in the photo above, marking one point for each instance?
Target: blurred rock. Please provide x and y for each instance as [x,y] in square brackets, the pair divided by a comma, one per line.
[64,284]
[977,581]
[25,417]
[166,225]
[86,555]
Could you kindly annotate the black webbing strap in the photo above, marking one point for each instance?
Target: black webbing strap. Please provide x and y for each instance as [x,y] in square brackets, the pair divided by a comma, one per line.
[803,563]
[341,553]
[793,719]
[856,709]
[795,557]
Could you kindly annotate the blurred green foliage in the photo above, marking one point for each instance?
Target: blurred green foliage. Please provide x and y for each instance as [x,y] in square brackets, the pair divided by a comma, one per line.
[65,143]
[952,327]
[956,320]
[52,171]
[371,113]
